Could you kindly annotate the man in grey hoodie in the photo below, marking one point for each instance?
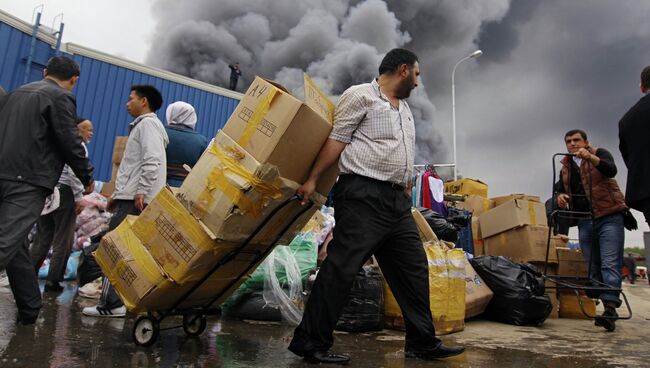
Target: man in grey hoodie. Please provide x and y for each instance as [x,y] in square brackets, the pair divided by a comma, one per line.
[142,173]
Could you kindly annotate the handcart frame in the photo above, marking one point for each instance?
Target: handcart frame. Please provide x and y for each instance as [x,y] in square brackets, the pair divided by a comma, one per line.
[147,327]
[586,284]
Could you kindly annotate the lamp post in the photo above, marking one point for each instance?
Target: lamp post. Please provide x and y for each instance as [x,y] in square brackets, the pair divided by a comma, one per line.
[474,54]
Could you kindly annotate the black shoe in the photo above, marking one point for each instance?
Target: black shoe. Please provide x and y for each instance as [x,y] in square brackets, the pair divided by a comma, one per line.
[609,323]
[326,357]
[53,286]
[440,353]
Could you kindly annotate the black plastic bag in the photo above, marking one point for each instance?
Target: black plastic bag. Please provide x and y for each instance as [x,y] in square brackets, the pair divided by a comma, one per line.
[364,310]
[518,289]
[253,307]
[443,229]
[88,269]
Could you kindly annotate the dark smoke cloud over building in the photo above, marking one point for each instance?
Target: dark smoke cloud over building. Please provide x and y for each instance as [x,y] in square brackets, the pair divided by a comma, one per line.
[548,66]
[338,43]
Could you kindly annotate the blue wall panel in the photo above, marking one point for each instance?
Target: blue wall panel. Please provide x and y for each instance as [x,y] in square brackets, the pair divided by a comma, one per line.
[102,93]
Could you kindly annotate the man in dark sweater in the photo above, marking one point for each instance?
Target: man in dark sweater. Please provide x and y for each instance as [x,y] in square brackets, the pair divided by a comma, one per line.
[587,184]
[633,133]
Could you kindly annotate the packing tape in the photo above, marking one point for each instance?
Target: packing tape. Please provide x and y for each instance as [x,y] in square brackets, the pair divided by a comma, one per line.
[258,114]
[139,254]
[531,212]
[502,238]
[217,180]
[329,106]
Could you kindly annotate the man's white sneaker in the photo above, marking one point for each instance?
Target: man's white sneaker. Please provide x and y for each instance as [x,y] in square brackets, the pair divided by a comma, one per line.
[105,312]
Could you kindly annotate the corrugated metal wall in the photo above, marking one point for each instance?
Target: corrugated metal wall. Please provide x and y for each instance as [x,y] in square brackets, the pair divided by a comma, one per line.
[102,93]
[103,89]
[14,49]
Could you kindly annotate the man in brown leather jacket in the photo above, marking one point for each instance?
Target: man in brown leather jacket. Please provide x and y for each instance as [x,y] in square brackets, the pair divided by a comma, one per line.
[587,185]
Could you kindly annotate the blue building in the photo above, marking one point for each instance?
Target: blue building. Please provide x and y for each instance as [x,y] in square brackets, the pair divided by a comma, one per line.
[104,85]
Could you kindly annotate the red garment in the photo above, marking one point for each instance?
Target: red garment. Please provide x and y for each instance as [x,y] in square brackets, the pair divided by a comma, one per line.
[426,191]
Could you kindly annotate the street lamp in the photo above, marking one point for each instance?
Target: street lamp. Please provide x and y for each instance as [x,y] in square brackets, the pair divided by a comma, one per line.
[474,54]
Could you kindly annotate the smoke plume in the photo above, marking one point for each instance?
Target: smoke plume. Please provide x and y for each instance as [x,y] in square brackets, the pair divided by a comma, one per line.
[339,43]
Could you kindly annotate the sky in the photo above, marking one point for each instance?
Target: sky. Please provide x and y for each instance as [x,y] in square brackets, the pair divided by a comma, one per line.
[548,66]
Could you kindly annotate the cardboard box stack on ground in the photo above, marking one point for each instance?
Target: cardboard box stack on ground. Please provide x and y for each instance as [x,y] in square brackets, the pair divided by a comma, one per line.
[522,244]
[475,204]
[570,305]
[498,201]
[477,238]
[118,152]
[512,214]
[467,187]
[157,257]
[571,262]
[477,293]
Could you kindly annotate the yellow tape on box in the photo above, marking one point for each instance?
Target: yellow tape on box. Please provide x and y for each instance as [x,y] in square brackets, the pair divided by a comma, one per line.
[446,290]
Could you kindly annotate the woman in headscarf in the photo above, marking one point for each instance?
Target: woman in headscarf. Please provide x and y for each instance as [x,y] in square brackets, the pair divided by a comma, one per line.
[185,144]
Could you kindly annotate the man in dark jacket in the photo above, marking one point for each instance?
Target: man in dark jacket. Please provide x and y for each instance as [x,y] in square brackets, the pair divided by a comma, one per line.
[38,135]
[633,133]
[587,185]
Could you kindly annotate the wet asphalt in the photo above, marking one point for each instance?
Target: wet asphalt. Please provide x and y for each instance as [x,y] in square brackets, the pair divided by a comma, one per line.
[63,337]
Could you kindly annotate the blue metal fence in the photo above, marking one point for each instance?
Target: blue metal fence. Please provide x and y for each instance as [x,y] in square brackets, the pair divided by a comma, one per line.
[104,85]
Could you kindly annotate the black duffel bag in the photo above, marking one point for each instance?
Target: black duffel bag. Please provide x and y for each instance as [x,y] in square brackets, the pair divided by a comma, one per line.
[518,289]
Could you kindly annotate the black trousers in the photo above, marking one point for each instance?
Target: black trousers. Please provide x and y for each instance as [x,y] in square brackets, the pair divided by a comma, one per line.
[56,229]
[109,298]
[20,206]
[372,217]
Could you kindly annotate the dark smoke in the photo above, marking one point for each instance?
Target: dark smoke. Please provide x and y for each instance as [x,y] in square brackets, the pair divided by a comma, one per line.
[338,43]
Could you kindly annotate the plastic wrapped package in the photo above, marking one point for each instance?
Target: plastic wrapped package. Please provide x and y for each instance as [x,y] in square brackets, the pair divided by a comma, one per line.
[519,297]
[446,290]
[364,309]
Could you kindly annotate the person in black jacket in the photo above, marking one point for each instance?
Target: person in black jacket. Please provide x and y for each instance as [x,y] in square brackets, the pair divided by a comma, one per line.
[633,133]
[38,135]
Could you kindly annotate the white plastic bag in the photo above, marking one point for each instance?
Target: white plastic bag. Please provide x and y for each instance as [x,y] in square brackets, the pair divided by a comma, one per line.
[274,292]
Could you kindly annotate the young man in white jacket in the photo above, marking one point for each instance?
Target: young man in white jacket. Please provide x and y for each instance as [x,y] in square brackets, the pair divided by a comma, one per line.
[142,173]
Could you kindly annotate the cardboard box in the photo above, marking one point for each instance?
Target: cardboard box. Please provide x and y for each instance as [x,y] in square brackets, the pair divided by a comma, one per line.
[503,199]
[570,305]
[467,187]
[555,312]
[232,193]
[109,188]
[179,243]
[144,286]
[276,128]
[477,238]
[512,214]
[425,231]
[118,149]
[571,262]
[522,244]
[318,101]
[477,293]
[475,204]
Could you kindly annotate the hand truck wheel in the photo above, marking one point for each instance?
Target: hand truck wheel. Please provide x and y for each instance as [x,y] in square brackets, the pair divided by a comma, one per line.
[145,330]
[194,324]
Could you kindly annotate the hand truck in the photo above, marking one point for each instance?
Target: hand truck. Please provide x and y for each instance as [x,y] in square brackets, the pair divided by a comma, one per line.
[587,284]
[147,327]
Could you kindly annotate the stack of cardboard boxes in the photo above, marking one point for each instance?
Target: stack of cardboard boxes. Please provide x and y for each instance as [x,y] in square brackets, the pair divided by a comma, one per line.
[251,167]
